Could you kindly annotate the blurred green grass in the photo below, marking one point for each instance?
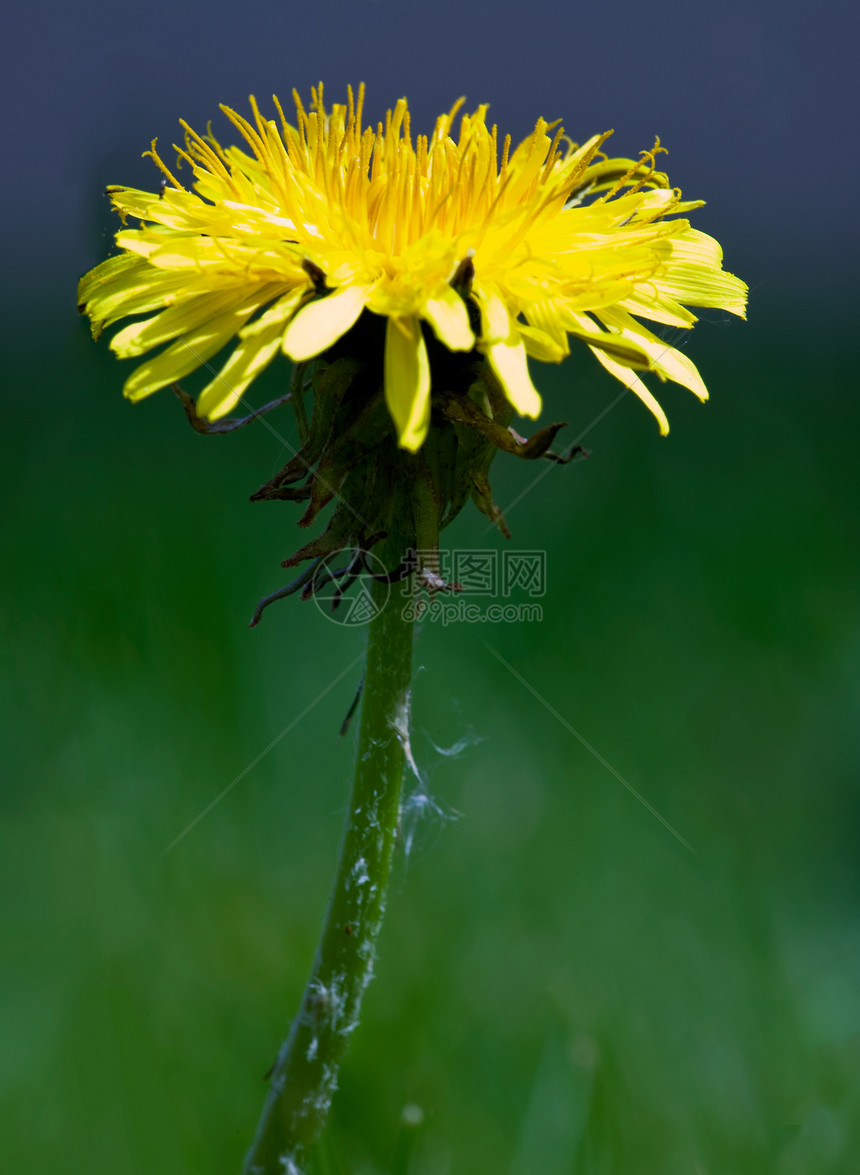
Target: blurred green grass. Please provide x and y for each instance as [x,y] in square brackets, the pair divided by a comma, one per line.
[562,987]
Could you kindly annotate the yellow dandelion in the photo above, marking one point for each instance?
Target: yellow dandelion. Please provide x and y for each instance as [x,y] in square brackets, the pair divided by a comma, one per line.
[285,243]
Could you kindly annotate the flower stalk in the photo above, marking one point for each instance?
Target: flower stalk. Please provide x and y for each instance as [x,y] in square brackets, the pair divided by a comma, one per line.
[305,1075]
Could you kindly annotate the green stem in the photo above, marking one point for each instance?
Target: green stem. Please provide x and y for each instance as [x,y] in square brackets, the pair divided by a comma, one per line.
[305,1075]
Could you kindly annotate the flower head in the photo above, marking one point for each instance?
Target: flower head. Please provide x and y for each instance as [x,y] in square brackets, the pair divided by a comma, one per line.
[283,245]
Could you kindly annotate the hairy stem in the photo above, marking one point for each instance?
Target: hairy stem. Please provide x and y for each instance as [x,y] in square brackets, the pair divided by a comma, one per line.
[305,1075]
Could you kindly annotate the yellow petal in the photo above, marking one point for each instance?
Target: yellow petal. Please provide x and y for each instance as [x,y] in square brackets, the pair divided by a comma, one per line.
[172,208]
[626,351]
[176,320]
[321,323]
[694,246]
[539,344]
[92,284]
[665,360]
[143,290]
[100,286]
[648,302]
[495,319]
[506,352]
[449,318]
[635,384]
[189,352]
[703,286]
[407,381]
[508,361]
[260,342]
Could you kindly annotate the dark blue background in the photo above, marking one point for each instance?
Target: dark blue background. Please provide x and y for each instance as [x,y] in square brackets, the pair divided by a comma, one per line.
[754,103]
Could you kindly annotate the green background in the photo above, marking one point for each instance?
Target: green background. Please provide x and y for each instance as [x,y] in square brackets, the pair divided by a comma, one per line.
[562,987]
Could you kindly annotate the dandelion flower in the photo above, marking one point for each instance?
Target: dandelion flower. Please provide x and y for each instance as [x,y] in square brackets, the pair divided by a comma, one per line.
[283,244]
